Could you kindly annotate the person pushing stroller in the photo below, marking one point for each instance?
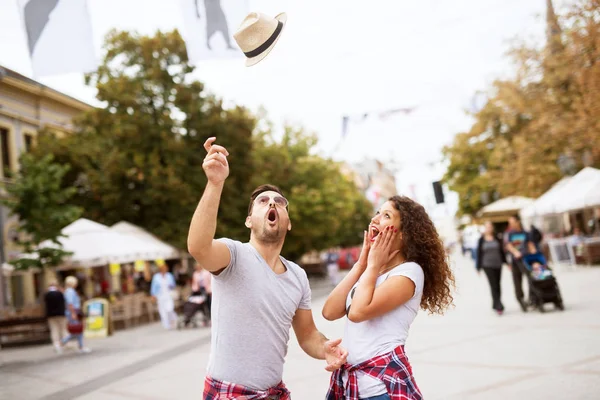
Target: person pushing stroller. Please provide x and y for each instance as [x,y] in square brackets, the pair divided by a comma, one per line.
[200,298]
[543,286]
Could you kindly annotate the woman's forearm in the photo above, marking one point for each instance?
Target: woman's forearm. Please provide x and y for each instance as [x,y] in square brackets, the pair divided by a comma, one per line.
[364,291]
[335,306]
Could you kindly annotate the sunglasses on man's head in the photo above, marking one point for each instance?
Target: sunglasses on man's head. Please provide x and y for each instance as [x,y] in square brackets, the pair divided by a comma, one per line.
[264,200]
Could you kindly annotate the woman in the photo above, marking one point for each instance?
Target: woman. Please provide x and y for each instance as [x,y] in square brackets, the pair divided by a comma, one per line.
[162,285]
[490,257]
[74,314]
[402,267]
[202,286]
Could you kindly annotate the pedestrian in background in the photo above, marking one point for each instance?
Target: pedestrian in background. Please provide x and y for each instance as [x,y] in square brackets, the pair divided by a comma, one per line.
[333,268]
[163,283]
[54,302]
[490,258]
[516,245]
[202,286]
[74,314]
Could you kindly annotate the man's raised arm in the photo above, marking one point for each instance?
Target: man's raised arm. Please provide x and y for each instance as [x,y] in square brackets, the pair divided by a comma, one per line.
[212,255]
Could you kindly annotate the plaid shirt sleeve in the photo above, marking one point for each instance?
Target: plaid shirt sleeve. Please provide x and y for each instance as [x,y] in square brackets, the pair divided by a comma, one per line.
[392,368]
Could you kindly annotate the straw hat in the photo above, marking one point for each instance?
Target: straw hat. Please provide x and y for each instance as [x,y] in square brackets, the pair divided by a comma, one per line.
[258,34]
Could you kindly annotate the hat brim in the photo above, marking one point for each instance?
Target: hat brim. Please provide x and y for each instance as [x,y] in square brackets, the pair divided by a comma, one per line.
[282,17]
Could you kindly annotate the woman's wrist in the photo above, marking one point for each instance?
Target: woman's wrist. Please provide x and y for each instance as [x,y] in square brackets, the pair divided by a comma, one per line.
[359,266]
[372,269]
[374,266]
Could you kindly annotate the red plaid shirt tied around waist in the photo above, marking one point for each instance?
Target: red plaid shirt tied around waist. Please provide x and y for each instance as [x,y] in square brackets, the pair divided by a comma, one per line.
[219,390]
[392,368]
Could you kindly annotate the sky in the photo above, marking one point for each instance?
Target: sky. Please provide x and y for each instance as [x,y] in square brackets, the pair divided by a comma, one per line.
[344,57]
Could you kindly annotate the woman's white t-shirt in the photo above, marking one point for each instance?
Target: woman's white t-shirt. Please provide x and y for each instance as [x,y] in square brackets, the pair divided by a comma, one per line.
[365,340]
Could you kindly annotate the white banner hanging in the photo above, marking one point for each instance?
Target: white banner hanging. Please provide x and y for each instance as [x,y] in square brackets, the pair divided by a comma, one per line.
[59,36]
[209,26]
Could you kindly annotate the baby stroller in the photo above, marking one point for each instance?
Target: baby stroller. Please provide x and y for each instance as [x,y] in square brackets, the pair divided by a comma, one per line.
[196,304]
[543,287]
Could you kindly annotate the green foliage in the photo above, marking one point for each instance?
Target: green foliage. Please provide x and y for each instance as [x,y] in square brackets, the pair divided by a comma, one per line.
[547,113]
[43,207]
[139,158]
[326,208]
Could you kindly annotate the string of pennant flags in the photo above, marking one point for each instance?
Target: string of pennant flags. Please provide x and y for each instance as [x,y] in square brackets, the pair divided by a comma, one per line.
[380,115]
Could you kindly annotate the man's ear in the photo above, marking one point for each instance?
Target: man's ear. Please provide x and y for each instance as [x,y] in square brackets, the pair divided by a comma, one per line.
[248,222]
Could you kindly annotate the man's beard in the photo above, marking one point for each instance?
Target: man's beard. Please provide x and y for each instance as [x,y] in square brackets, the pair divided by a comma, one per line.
[267,235]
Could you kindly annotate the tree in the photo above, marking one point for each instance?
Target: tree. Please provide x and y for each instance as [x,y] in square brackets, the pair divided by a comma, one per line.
[530,124]
[43,207]
[326,208]
[139,158]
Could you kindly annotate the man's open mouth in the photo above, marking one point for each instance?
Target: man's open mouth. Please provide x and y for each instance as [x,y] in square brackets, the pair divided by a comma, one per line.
[272,215]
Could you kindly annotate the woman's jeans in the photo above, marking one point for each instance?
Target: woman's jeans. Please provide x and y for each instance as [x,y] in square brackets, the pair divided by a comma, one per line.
[384,396]
[71,336]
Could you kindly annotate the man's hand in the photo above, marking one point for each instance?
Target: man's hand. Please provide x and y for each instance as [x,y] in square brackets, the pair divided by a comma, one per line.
[215,163]
[335,355]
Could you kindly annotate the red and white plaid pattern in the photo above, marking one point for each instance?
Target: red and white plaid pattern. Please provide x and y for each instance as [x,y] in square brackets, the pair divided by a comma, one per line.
[392,368]
[219,390]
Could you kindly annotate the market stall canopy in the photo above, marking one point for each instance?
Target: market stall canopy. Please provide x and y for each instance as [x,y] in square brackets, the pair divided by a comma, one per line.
[142,234]
[505,206]
[569,194]
[582,191]
[94,244]
[547,203]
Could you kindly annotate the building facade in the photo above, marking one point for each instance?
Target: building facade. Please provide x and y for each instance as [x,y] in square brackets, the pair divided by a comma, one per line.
[377,182]
[26,106]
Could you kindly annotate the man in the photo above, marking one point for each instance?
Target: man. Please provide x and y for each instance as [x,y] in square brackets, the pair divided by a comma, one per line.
[516,244]
[54,301]
[201,286]
[257,294]
[333,268]
[162,284]
[536,236]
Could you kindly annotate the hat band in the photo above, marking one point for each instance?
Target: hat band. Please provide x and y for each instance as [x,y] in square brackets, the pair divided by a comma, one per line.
[267,44]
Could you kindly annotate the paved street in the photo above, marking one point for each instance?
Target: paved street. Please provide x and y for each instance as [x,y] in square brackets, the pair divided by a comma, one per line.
[470,353]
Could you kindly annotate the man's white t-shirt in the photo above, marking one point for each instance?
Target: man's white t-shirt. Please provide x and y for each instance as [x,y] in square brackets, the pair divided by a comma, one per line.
[365,340]
[252,313]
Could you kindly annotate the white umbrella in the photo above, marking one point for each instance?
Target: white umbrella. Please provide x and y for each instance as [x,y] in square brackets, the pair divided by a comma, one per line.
[583,191]
[94,244]
[569,194]
[142,234]
[547,203]
[506,205]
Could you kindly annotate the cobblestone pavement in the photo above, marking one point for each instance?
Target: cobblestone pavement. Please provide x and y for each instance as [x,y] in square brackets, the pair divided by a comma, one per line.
[470,353]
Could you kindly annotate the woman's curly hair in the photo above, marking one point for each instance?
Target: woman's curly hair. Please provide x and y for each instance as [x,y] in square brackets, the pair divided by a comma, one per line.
[423,245]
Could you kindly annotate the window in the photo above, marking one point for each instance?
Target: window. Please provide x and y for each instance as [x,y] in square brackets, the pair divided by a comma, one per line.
[28,142]
[4,142]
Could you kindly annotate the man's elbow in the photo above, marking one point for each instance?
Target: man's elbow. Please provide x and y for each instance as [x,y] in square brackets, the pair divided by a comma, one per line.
[192,248]
[196,251]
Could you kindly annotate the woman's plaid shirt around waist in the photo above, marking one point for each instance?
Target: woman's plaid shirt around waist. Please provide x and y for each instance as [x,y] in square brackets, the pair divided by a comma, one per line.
[219,390]
[392,368]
